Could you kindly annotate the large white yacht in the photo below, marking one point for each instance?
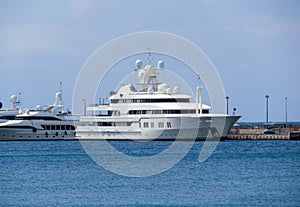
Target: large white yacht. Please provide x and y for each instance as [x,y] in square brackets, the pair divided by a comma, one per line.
[44,123]
[156,112]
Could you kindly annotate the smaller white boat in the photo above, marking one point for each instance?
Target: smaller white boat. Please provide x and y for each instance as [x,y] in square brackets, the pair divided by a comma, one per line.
[44,123]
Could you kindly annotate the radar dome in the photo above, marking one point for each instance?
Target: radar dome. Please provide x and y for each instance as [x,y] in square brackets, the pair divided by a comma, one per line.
[162,87]
[13,98]
[168,90]
[138,64]
[38,108]
[176,90]
[58,96]
[160,64]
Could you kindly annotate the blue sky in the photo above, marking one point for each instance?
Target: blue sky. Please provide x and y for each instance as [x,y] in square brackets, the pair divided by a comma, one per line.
[254,45]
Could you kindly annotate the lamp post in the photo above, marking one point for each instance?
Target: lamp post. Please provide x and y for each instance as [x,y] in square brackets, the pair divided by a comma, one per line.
[84,106]
[267,108]
[227,98]
[286,112]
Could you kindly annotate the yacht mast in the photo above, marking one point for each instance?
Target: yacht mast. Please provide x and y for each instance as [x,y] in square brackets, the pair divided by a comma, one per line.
[148,74]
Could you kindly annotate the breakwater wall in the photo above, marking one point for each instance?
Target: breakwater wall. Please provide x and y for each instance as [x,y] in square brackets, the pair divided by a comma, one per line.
[257,137]
[258,134]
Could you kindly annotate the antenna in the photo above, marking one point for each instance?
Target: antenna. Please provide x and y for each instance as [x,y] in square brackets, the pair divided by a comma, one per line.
[60,86]
[149,73]
[199,79]
[149,57]
[19,101]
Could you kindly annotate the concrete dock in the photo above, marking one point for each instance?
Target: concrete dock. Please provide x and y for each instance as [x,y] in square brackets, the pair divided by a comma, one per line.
[257,137]
[273,131]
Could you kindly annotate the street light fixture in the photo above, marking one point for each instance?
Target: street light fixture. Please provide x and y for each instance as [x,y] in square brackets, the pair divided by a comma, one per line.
[227,98]
[286,112]
[267,108]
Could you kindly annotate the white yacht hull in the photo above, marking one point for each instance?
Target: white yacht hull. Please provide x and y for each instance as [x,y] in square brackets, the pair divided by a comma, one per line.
[28,134]
[17,130]
[179,128]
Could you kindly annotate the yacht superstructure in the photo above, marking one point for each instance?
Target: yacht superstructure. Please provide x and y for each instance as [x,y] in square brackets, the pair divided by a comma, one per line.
[156,112]
[10,113]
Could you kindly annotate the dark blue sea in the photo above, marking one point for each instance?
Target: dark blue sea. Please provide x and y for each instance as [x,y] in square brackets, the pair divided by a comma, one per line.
[239,173]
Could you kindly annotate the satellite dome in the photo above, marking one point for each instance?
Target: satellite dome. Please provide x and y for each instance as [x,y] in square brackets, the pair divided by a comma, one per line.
[162,87]
[168,90]
[39,108]
[160,64]
[13,98]
[138,64]
[58,96]
[176,90]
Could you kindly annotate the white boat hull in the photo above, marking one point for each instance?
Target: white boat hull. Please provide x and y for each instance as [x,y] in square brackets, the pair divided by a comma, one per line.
[179,128]
[17,130]
[21,134]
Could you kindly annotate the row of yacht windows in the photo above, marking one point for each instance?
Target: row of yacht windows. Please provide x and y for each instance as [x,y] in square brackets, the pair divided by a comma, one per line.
[58,127]
[37,118]
[165,111]
[165,100]
[144,124]
[159,125]
[114,123]
[136,112]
